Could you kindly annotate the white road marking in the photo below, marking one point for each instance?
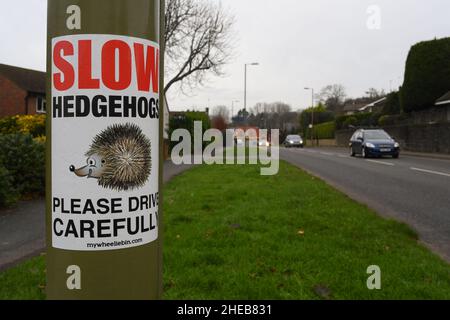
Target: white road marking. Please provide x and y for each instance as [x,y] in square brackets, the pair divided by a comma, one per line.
[382,162]
[327,154]
[431,172]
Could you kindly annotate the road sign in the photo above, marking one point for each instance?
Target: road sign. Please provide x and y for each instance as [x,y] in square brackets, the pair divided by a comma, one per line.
[104,149]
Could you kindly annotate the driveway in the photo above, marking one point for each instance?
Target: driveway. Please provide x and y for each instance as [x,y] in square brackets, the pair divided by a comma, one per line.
[22,229]
[414,190]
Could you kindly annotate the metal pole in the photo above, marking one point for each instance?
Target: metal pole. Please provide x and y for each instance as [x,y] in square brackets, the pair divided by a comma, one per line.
[312,118]
[245,88]
[105,96]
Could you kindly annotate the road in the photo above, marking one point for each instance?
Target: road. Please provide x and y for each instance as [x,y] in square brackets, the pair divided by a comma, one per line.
[22,229]
[411,189]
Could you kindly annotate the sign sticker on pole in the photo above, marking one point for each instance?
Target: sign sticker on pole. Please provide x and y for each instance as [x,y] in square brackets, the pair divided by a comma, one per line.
[104,149]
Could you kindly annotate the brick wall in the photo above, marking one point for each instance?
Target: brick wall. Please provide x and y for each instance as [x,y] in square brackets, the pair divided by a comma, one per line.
[12,98]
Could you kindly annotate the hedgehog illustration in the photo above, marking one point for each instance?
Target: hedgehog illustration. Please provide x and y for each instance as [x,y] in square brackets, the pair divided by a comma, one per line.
[119,157]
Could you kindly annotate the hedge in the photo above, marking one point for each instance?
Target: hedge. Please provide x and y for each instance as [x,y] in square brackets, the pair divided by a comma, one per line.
[392,104]
[321,115]
[427,74]
[366,119]
[186,121]
[325,130]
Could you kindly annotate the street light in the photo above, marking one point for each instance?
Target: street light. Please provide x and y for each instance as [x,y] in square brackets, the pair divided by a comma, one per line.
[245,82]
[312,114]
[232,108]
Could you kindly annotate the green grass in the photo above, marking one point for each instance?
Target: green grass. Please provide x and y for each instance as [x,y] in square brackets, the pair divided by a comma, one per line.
[26,281]
[233,234]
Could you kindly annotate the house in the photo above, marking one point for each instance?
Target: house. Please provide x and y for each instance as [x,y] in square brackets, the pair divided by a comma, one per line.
[353,106]
[444,100]
[361,105]
[22,91]
[376,106]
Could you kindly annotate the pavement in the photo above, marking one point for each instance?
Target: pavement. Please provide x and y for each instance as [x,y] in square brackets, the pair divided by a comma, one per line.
[414,189]
[22,229]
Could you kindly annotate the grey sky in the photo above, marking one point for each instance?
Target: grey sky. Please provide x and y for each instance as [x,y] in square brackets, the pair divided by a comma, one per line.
[298,43]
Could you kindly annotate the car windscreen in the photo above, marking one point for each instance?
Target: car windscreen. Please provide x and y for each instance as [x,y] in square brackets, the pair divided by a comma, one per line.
[294,138]
[376,135]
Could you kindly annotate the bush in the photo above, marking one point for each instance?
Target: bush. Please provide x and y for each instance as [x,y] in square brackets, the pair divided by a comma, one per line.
[350,121]
[186,121]
[32,124]
[26,124]
[366,119]
[325,130]
[390,120]
[9,125]
[427,74]
[321,115]
[8,194]
[24,159]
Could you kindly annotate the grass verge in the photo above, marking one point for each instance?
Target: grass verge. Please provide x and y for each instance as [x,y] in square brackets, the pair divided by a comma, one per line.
[233,234]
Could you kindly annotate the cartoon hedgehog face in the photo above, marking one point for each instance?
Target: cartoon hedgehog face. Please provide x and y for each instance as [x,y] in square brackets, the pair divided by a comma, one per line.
[119,157]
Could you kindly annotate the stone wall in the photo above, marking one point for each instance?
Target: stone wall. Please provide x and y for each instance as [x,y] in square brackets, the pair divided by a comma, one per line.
[433,138]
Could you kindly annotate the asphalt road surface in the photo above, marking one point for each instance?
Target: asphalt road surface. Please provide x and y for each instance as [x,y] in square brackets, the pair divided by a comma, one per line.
[414,190]
[22,229]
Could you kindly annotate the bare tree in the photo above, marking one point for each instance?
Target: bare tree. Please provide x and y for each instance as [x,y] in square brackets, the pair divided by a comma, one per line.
[271,108]
[221,111]
[333,96]
[198,40]
[373,93]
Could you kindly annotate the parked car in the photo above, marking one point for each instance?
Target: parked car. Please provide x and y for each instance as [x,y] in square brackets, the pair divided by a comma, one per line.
[373,143]
[293,141]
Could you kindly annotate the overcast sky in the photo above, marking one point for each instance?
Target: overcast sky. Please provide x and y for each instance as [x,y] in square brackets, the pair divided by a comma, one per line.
[298,43]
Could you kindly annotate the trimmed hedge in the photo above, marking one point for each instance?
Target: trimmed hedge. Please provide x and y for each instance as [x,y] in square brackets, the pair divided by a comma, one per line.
[358,120]
[321,115]
[186,121]
[392,105]
[427,74]
[390,120]
[325,130]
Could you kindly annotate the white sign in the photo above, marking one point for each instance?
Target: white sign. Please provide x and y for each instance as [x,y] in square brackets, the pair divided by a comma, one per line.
[105,142]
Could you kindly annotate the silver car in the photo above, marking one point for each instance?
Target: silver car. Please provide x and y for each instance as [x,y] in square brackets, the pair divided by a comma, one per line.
[293,141]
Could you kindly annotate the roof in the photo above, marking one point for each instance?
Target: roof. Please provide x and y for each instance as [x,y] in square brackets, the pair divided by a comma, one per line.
[354,106]
[361,104]
[28,80]
[373,104]
[445,99]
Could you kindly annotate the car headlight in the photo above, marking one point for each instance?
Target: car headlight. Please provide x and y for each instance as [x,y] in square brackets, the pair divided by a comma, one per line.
[396,145]
[370,145]
[301,141]
[291,142]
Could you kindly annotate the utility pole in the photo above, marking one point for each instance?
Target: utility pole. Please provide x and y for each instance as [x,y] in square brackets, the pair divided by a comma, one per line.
[312,115]
[232,108]
[245,82]
[103,214]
